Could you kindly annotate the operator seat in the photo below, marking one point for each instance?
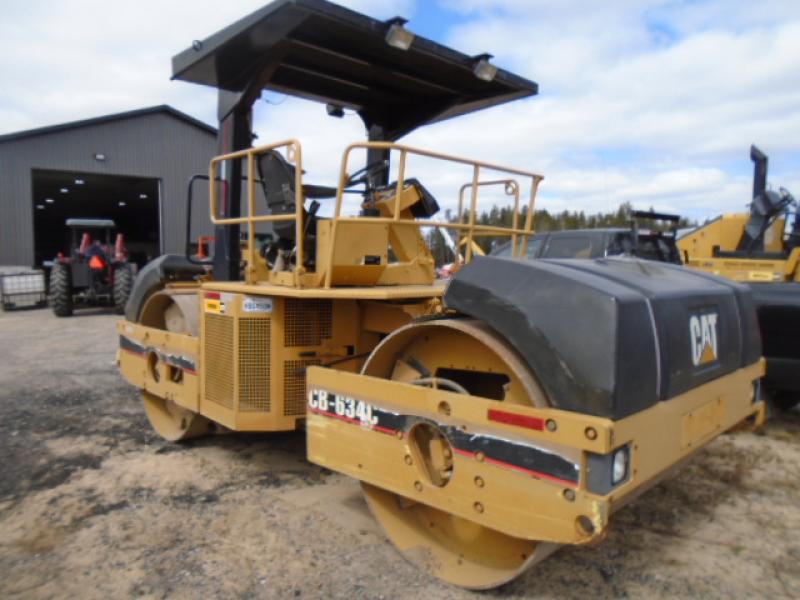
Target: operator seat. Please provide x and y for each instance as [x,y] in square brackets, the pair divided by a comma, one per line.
[277,180]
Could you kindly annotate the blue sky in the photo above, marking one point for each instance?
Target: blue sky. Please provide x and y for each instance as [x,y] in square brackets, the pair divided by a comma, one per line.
[432,19]
[651,102]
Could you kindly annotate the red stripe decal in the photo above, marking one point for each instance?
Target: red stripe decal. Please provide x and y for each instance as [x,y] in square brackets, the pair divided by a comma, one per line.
[467,453]
[144,354]
[212,295]
[536,474]
[500,416]
[505,465]
[385,430]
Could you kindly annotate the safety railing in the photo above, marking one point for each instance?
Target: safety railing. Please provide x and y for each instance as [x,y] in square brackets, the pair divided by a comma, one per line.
[469,229]
[294,155]
[511,188]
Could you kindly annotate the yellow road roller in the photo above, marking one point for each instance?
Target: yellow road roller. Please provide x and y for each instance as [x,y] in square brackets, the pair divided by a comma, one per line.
[762,250]
[491,417]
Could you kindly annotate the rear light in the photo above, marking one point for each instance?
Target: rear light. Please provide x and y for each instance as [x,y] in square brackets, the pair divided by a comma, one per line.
[605,472]
[619,469]
[756,391]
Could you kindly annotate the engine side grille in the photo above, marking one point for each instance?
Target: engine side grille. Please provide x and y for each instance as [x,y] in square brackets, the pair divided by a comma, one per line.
[307,322]
[294,386]
[254,336]
[218,367]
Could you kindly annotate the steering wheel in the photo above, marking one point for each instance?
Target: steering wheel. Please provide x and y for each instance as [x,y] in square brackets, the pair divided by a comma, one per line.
[363,175]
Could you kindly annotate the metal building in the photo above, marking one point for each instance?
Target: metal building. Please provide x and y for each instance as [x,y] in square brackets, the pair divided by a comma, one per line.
[132,167]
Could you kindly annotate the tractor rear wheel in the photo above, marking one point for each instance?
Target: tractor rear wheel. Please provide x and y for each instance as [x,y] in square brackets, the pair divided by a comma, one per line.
[460,355]
[61,289]
[123,284]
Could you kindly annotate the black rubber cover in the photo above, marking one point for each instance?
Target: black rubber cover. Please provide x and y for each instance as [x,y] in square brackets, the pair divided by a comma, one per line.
[154,275]
[778,306]
[609,337]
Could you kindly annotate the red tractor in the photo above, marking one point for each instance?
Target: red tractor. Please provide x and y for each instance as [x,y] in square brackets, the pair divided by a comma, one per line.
[95,273]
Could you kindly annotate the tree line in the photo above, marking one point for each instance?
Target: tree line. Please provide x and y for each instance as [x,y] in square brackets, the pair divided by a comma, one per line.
[543,220]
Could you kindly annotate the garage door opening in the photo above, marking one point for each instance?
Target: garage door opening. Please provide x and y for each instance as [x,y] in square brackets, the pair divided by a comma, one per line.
[131,202]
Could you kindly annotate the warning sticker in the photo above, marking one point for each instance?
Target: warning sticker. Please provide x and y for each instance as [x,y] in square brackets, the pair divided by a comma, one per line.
[214,306]
[256,304]
[759,275]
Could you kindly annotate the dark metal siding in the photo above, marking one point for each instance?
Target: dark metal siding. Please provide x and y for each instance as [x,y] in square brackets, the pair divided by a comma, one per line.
[157,145]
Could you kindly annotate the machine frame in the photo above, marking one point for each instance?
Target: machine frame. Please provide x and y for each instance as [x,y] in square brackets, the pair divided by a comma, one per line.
[263,344]
[404,290]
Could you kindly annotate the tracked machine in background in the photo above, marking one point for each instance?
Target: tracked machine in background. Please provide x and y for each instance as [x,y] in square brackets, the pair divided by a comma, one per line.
[762,249]
[490,421]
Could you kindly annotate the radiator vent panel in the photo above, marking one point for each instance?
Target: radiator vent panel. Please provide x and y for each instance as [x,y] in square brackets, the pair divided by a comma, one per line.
[254,364]
[218,354]
[294,386]
[307,322]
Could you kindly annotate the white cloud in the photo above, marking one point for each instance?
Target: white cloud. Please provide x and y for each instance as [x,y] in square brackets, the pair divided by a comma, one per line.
[651,102]
[619,104]
[79,59]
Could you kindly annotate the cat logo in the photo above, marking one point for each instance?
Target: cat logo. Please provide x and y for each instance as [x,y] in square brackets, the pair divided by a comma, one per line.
[703,335]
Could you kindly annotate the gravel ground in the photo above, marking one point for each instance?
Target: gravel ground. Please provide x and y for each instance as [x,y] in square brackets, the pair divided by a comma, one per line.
[94,505]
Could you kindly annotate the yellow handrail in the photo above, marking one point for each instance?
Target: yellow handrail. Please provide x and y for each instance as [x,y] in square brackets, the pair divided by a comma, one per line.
[511,189]
[294,155]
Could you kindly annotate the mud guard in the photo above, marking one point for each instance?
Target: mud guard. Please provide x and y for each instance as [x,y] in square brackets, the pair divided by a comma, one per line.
[154,276]
[612,337]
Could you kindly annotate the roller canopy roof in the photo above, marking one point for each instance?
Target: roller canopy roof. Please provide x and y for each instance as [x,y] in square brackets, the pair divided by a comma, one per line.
[321,51]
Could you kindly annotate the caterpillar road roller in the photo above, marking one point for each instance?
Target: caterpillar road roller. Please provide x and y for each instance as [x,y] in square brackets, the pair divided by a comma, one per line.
[490,419]
[761,249]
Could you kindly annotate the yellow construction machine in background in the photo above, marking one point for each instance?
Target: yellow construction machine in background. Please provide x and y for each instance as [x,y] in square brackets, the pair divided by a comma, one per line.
[762,246]
[762,249]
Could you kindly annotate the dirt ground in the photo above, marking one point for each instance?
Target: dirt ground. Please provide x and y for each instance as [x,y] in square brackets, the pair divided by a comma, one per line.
[94,505]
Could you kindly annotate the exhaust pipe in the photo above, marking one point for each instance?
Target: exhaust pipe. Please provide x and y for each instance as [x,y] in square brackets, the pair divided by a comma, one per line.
[759,170]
